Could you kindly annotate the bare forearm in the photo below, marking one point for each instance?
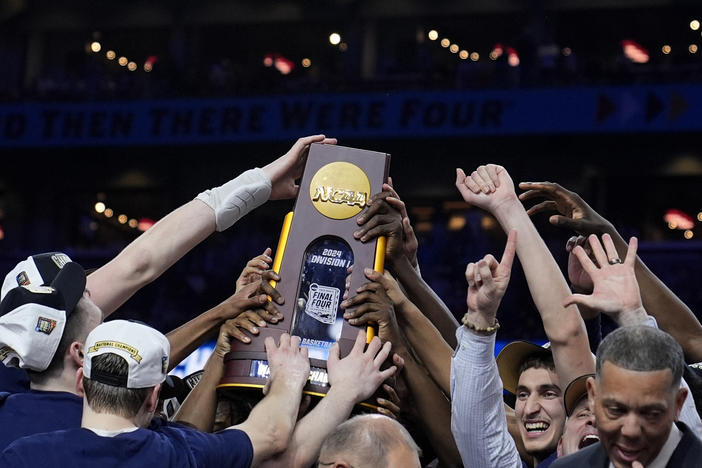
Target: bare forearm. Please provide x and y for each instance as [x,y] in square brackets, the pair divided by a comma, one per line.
[672,315]
[311,430]
[272,420]
[563,325]
[150,255]
[200,406]
[191,335]
[434,408]
[428,345]
[426,300]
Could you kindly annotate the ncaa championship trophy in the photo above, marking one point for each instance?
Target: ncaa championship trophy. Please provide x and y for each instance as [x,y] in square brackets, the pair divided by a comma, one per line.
[315,250]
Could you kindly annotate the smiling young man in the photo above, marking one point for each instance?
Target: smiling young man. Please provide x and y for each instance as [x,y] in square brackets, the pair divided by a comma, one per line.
[637,399]
[527,371]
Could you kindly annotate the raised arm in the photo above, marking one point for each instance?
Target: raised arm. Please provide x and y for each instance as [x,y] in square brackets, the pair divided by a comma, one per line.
[352,380]
[387,216]
[152,253]
[374,304]
[478,419]
[616,293]
[252,298]
[200,406]
[672,315]
[423,338]
[271,422]
[490,187]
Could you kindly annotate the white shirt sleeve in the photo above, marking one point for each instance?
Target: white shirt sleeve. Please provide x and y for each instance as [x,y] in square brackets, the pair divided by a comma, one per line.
[478,419]
[688,414]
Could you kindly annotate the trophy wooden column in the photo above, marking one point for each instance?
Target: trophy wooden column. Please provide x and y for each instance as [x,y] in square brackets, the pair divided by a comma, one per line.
[315,250]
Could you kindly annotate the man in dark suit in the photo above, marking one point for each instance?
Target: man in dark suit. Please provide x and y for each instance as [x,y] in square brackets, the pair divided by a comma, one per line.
[637,399]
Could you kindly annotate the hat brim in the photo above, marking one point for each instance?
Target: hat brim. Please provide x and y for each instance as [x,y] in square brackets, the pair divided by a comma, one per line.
[576,391]
[511,358]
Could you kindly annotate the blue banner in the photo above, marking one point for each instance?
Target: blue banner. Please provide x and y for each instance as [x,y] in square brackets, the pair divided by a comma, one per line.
[667,108]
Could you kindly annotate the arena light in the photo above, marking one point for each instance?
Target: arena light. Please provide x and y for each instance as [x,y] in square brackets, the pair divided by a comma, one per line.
[454,48]
[512,57]
[110,54]
[433,35]
[666,49]
[307,63]
[475,56]
[678,219]
[635,51]
[283,65]
[145,224]
[445,42]
[334,38]
[694,25]
[100,207]
[692,48]
[689,234]
[496,52]
[95,46]
[463,54]
[122,61]
[131,66]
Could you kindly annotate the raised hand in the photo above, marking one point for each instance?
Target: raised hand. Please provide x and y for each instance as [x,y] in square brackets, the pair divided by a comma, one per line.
[573,212]
[386,215]
[268,310]
[359,372]
[285,170]
[488,187]
[390,406]
[372,304]
[287,361]
[487,283]
[254,269]
[616,291]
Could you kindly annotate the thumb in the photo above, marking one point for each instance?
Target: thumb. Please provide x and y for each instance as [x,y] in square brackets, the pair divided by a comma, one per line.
[566,222]
[579,299]
[333,354]
[637,464]
[408,230]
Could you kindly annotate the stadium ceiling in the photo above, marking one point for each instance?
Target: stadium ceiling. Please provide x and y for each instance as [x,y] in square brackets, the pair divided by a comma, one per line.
[75,14]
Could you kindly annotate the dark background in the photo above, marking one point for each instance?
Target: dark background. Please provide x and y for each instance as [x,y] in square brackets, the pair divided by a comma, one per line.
[217,48]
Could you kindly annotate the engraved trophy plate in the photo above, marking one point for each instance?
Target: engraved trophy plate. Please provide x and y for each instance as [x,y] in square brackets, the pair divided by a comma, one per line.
[313,257]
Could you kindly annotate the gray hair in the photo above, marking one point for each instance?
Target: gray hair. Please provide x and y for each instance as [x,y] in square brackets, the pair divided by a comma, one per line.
[367,438]
[641,348]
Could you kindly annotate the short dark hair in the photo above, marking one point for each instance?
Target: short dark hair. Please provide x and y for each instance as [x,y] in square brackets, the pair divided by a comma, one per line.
[103,398]
[74,330]
[538,361]
[641,348]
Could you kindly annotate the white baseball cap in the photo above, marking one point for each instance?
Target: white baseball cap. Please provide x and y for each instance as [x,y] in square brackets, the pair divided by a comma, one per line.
[33,317]
[145,349]
[36,270]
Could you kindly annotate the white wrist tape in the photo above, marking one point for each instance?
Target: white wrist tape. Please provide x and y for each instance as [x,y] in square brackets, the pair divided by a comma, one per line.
[237,197]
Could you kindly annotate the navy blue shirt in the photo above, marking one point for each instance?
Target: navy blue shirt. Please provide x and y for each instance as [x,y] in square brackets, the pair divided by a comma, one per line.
[544,464]
[13,380]
[168,445]
[32,412]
